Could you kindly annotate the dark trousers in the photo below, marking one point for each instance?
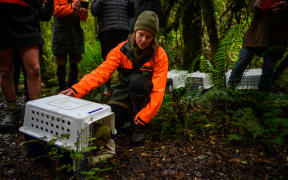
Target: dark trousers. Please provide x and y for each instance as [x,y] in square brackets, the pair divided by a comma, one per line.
[245,57]
[139,96]
[109,40]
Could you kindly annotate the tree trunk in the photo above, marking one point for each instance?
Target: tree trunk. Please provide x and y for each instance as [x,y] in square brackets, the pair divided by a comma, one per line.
[208,13]
[192,33]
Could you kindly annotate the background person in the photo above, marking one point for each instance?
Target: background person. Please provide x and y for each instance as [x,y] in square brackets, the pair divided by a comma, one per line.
[113,22]
[18,33]
[44,12]
[143,67]
[67,39]
[267,36]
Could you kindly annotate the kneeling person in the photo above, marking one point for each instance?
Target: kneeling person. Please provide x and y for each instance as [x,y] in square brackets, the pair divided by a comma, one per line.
[143,67]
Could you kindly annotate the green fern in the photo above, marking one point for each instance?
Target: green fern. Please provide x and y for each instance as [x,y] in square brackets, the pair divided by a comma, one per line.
[234,137]
[218,69]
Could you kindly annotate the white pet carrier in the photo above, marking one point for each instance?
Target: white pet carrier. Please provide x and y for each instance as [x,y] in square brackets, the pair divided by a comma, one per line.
[176,79]
[250,79]
[55,116]
[198,80]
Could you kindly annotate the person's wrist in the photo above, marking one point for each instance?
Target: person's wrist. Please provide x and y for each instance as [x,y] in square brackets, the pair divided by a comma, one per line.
[136,122]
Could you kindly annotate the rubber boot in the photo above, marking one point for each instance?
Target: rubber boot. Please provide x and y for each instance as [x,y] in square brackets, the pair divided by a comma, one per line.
[11,119]
[139,134]
[73,74]
[61,76]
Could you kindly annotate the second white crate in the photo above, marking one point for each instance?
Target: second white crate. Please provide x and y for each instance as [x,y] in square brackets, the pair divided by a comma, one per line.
[198,80]
[250,78]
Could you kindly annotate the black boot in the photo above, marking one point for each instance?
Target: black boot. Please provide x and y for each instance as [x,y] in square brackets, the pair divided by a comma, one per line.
[73,74]
[61,76]
[139,134]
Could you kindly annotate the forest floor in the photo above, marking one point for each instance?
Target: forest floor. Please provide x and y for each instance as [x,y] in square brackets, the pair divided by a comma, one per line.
[205,157]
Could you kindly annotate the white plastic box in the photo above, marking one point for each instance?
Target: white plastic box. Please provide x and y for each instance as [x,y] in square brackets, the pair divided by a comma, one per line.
[250,78]
[198,80]
[176,79]
[49,117]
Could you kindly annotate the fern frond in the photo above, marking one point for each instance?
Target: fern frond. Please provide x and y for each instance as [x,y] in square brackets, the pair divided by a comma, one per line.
[206,66]
[233,35]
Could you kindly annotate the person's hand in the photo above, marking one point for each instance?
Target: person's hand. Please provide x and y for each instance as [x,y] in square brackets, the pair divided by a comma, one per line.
[67,92]
[76,5]
[279,7]
[259,3]
[83,12]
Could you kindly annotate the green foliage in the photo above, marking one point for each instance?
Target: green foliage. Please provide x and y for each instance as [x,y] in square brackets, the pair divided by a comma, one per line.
[221,60]
[92,174]
[246,119]
[58,155]
[247,116]
[234,137]
[166,119]
[91,59]
[281,70]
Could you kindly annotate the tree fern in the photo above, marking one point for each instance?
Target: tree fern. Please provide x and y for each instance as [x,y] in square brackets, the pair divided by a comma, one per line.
[220,58]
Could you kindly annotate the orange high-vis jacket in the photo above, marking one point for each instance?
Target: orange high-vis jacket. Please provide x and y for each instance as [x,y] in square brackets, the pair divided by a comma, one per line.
[63,8]
[115,59]
[21,2]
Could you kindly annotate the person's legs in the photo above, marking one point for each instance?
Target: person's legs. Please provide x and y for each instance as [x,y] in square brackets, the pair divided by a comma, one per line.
[245,57]
[30,59]
[122,115]
[280,67]
[266,78]
[25,83]
[7,70]
[74,59]
[139,95]
[105,40]
[11,118]
[17,69]
[61,60]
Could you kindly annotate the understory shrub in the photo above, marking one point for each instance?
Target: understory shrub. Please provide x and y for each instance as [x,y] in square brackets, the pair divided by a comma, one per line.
[243,116]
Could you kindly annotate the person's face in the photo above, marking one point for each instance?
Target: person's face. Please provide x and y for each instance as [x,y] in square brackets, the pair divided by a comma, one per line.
[143,38]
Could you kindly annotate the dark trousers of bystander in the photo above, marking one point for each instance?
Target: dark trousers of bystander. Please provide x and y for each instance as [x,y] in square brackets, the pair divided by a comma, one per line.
[245,57]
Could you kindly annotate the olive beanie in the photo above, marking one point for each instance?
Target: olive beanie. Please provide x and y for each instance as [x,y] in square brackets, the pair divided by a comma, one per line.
[147,20]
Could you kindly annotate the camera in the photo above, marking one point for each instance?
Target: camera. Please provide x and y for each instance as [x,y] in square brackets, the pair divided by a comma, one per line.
[84,4]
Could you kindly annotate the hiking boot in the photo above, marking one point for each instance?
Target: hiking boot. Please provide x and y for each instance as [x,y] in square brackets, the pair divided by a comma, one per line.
[107,153]
[10,121]
[139,134]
